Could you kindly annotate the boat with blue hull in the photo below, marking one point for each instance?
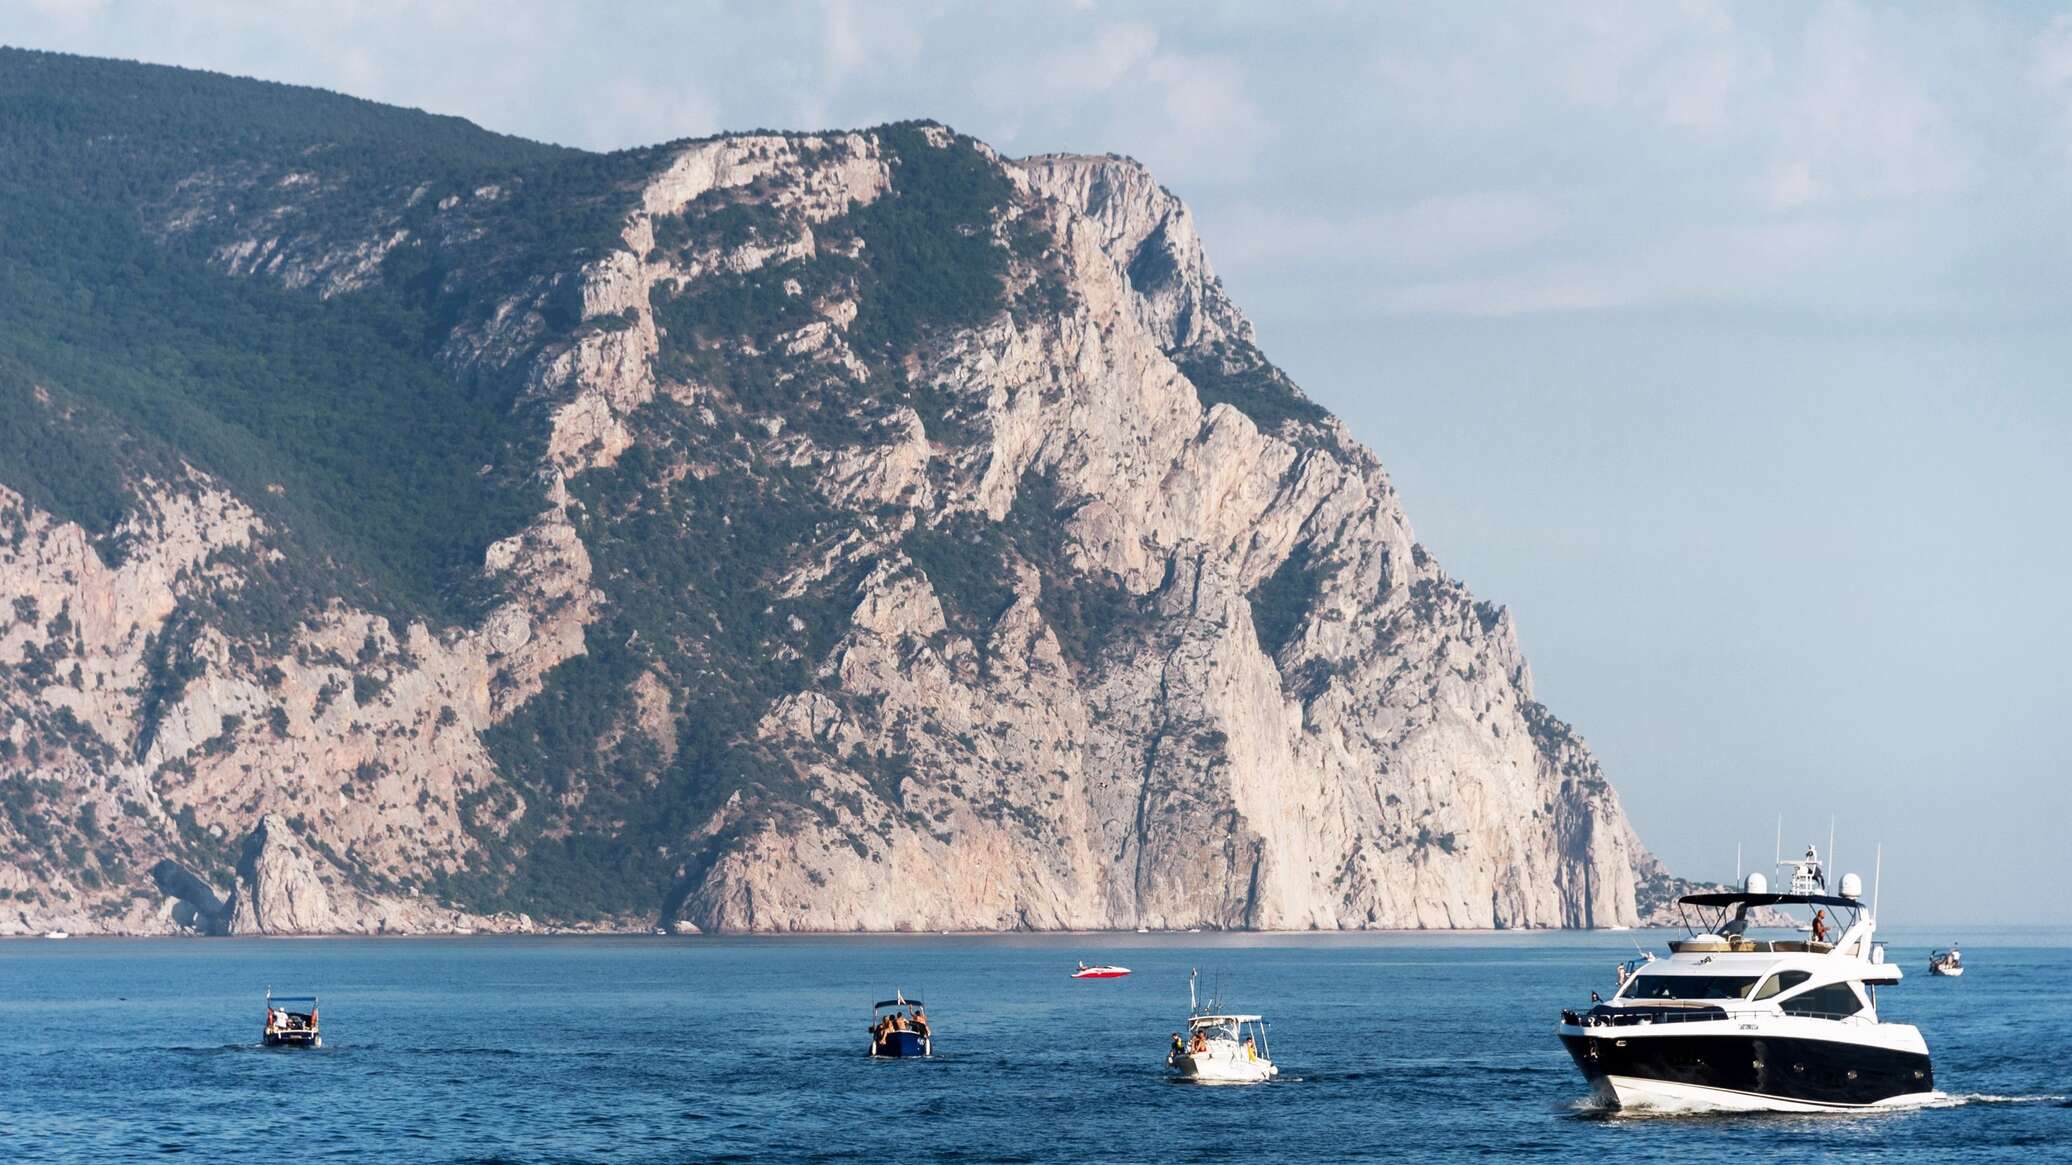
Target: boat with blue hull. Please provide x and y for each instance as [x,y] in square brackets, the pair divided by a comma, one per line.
[900,1030]
[1733,1023]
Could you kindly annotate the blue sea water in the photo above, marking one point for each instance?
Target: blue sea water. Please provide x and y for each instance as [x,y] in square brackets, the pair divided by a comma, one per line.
[1394,1047]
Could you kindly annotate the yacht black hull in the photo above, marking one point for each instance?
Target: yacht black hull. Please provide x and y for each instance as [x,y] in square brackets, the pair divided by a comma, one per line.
[1747,1072]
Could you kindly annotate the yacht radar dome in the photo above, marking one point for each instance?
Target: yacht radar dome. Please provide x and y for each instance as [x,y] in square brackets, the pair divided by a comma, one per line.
[1852,886]
[1756,883]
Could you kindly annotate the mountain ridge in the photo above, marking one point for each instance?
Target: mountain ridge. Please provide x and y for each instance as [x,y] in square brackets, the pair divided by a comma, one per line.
[855,530]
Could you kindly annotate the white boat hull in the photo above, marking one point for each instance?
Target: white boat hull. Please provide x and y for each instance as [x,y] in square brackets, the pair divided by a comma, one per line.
[1634,1094]
[1946,972]
[1211,1069]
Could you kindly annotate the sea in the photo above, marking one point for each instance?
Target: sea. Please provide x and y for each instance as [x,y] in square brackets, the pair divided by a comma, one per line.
[1394,1047]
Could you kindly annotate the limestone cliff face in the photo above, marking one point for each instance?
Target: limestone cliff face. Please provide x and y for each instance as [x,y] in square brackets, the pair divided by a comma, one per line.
[855,604]
[1382,764]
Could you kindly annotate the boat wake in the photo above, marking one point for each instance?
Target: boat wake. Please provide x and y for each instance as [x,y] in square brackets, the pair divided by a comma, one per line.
[1591,1108]
[1965,1099]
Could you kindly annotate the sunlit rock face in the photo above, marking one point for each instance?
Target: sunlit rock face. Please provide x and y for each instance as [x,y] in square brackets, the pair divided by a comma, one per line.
[917,539]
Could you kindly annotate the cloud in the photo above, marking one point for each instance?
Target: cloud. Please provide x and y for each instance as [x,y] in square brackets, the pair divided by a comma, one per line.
[2052,66]
[1437,230]
[1111,56]
[1860,126]
[859,40]
[1533,293]
[1189,114]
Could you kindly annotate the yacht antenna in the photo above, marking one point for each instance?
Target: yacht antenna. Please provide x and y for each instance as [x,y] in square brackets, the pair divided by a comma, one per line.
[1192,1005]
[1737,864]
[1830,849]
[1877,878]
[1780,840]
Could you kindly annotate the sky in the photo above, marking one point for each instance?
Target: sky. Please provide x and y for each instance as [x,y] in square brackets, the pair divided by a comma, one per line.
[1725,344]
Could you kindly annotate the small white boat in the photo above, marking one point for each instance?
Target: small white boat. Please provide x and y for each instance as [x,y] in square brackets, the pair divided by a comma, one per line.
[288,1027]
[1103,971]
[1949,963]
[57,934]
[1220,1048]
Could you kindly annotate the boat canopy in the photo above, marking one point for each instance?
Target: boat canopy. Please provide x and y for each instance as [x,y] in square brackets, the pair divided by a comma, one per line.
[897,1003]
[1220,1020]
[1736,897]
[291,999]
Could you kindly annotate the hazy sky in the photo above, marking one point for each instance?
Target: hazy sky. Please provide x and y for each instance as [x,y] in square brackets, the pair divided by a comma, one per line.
[1727,345]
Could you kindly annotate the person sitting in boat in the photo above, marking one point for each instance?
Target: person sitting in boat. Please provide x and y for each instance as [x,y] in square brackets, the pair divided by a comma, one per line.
[1179,1046]
[1820,926]
[920,1023]
[1200,1044]
[1251,1052]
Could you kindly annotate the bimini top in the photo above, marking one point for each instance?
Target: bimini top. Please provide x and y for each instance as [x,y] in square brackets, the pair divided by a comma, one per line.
[898,1003]
[1205,1020]
[1736,897]
[292,998]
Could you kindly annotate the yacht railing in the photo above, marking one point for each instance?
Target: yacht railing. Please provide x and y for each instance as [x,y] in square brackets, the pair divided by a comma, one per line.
[1749,946]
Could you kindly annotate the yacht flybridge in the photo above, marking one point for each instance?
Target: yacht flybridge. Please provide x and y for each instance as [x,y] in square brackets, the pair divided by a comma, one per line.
[1733,1023]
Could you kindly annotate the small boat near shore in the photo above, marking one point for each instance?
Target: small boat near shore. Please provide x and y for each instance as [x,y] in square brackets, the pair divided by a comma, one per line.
[289,1028]
[1103,971]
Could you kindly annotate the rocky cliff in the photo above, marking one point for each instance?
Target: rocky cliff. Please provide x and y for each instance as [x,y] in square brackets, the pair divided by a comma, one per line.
[851,531]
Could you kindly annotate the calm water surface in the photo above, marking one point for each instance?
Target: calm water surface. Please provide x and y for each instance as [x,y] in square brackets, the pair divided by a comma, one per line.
[1393,1047]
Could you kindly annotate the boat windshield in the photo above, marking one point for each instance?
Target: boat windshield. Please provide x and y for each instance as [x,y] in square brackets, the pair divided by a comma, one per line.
[1690,986]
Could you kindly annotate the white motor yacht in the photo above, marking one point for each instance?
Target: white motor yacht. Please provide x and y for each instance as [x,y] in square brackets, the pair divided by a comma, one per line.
[1733,1023]
[1220,1048]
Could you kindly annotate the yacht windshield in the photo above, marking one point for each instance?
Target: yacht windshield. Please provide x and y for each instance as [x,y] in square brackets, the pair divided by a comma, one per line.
[1690,986]
[1833,1001]
[1780,982]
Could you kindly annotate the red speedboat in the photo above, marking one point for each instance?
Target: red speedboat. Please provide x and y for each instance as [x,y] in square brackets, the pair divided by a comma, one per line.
[1103,972]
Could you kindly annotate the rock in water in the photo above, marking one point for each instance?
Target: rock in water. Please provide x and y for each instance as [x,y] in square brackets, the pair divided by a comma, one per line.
[768,532]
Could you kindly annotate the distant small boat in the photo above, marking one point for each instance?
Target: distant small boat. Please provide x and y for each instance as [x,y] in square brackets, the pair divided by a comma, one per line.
[289,1028]
[1949,963]
[57,934]
[899,1029]
[1101,972]
[1219,1048]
